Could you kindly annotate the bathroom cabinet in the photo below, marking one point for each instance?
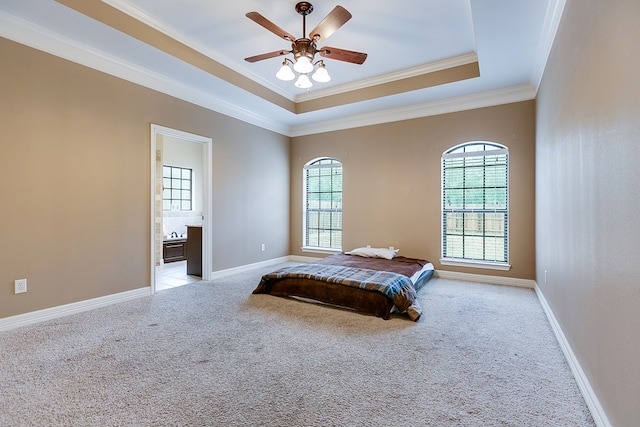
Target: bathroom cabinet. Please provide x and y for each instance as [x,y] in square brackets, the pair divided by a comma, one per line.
[174,250]
[194,250]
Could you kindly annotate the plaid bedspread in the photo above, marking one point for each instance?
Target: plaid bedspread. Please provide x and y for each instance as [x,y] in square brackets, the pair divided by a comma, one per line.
[395,286]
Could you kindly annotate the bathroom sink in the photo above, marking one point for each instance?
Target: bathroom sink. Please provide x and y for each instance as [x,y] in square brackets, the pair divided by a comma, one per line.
[169,238]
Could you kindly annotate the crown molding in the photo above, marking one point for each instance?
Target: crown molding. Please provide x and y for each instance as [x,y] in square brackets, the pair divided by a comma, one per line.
[551,24]
[153,22]
[432,67]
[37,37]
[450,105]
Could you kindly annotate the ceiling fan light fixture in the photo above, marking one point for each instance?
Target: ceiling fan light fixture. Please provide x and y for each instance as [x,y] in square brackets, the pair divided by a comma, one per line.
[321,75]
[303,65]
[305,49]
[303,82]
[285,73]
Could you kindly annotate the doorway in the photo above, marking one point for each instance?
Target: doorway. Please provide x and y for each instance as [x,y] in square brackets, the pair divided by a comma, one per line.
[160,134]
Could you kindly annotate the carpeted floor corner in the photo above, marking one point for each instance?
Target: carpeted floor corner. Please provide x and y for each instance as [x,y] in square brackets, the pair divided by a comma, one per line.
[213,354]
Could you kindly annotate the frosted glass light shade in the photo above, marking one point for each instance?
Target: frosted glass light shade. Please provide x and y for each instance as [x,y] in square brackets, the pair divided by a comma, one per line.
[303,65]
[285,73]
[303,82]
[321,75]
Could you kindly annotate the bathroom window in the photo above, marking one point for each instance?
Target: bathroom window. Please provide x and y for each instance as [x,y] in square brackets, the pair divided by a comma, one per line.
[177,186]
[322,218]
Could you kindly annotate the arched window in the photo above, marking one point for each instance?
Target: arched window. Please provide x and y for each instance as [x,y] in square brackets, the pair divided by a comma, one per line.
[322,216]
[475,193]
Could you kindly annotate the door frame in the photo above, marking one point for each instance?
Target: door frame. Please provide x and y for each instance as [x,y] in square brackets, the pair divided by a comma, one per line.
[206,197]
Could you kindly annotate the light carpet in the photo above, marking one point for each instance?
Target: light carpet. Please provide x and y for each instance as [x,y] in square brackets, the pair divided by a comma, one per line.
[213,354]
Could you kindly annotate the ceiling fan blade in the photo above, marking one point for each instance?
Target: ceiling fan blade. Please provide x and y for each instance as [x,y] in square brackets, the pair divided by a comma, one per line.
[342,54]
[257,58]
[334,20]
[261,20]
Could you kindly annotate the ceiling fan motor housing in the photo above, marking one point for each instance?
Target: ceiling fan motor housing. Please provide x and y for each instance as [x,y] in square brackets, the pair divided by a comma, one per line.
[303,47]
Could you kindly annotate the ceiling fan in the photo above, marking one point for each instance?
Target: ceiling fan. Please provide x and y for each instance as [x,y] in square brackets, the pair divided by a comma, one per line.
[304,49]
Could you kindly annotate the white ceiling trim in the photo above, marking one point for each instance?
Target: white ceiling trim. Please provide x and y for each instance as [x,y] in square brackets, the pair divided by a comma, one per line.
[551,24]
[450,105]
[27,33]
[160,26]
[444,64]
[37,37]
[152,22]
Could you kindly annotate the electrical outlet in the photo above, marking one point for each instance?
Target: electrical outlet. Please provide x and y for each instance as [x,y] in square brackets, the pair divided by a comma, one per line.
[263,247]
[20,286]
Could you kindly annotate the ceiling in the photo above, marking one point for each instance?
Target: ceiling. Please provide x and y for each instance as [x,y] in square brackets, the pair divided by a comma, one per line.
[424,57]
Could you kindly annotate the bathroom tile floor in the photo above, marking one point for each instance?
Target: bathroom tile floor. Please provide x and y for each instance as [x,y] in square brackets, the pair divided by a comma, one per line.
[172,275]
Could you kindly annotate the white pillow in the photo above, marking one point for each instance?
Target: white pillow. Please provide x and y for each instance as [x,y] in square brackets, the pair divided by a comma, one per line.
[369,252]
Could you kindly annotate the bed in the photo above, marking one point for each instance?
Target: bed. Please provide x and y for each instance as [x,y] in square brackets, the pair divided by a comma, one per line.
[371,285]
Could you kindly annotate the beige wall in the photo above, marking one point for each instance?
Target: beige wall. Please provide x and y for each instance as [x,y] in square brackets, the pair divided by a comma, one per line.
[75,181]
[588,171]
[391,181]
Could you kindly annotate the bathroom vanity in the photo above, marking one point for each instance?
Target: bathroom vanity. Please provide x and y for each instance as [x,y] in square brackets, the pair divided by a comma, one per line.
[174,250]
[194,250]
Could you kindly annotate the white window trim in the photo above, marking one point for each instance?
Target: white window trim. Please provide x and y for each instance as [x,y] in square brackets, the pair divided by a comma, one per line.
[458,262]
[471,263]
[320,250]
[497,151]
[314,249]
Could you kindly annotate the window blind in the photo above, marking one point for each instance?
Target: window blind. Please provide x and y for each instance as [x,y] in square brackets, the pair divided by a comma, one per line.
[475,203]
[323,204]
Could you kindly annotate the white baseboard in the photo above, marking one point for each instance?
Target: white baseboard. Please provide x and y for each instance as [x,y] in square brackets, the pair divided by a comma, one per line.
[299,258]
[481,278]
[591,399]
[597,412]
[248,267]
[80,306]
[67,309]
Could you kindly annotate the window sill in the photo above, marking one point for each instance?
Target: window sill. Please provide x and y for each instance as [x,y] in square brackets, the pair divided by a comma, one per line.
[475,264]
[320,250]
